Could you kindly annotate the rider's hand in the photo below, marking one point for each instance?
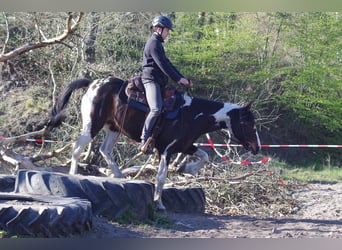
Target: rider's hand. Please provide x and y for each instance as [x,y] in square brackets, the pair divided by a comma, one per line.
[187,83]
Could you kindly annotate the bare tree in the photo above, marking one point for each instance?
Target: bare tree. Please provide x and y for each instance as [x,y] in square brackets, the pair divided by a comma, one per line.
[43,41]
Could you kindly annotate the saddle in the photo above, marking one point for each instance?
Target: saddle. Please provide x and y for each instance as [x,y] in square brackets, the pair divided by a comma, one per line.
[135,92]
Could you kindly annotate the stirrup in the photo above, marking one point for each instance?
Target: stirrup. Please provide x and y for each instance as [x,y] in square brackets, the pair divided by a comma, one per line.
[147,147]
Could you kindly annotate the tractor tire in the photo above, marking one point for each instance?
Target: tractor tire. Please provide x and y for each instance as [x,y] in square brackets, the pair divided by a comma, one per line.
[7,183]
[110,197]
[43,216]
[184,200]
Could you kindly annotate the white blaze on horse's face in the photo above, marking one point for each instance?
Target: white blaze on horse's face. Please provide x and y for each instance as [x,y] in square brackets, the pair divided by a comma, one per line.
[259,142]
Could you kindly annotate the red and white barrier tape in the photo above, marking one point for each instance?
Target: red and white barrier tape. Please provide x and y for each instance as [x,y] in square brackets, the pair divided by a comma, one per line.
[39,140]
[301,146]
[266,159]
[31,140]
[273,145]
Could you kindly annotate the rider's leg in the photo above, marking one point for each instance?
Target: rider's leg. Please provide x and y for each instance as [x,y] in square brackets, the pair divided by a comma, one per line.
[155,102]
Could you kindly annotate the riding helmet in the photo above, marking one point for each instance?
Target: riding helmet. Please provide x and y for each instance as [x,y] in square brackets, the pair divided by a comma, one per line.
[162,21]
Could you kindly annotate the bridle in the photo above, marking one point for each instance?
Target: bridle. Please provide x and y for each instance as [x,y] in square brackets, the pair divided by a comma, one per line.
[243,117]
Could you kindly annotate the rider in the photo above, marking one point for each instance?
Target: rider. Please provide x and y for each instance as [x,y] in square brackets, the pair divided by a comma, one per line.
[156,69]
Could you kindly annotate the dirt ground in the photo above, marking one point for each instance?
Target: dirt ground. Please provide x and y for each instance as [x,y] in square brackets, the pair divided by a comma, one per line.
[319,215]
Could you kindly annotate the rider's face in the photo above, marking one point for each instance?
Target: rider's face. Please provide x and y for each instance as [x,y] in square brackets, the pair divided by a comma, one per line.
[165,32]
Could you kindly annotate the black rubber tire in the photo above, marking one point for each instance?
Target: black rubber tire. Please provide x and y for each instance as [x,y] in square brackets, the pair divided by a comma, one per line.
[43,216]
[109,197]
[184,200]
[7,183]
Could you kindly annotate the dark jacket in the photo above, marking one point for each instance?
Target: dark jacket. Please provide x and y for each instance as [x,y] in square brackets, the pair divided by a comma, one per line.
[156,66]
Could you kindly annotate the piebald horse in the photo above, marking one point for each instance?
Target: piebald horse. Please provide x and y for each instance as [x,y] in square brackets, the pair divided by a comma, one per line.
[105,105]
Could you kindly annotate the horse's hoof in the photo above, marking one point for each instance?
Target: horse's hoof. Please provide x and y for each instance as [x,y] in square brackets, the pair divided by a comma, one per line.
[160,207]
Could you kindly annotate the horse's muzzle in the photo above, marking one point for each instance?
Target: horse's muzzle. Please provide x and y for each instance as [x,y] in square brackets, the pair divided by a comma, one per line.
[253,147]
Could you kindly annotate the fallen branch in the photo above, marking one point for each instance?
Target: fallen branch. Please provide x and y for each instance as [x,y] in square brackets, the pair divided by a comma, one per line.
[142,168]
[234,180]
[18,161]
[22,138]
[24,162]
[131,160]
[49,155]
[135,171]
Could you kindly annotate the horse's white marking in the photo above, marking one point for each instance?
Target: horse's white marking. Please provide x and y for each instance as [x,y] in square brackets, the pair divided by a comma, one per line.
[187,100]
[78,148]
[221,115]
[161,176]
[198,115]
[257,135]
[86,105]
[106,149]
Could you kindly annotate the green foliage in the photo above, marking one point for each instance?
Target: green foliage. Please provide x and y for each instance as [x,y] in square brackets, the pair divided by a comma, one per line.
[38,100]
[159,220]
[216,54]
[154,220]
[314,89]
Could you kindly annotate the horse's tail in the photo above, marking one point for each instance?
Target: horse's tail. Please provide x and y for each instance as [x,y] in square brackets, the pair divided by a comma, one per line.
[59,109]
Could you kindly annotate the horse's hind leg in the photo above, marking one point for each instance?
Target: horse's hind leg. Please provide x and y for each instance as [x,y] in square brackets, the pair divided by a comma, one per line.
[78,148]
[161,176]
[106,150]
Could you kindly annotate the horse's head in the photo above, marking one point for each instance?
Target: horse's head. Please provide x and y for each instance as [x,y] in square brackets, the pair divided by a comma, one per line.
[244,129]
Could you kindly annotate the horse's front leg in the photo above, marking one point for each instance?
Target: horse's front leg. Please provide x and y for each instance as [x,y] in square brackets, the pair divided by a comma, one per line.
[161,176]
[193,167]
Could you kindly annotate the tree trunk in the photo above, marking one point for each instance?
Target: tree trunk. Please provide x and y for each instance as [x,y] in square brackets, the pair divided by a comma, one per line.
[90,48]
